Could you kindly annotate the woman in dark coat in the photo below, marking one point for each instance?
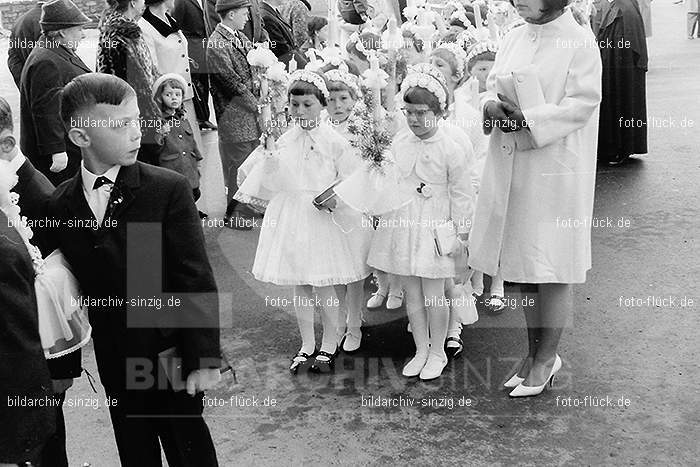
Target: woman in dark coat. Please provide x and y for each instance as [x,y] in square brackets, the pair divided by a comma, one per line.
[122,51]
[50,66]
[623,110]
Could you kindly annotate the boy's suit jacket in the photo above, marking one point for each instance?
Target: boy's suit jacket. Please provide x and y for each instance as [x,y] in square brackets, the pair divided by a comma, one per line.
[235,98]
[156,207]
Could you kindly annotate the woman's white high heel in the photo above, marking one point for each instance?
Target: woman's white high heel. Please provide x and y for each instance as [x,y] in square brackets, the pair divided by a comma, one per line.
[513,382]
[526,391]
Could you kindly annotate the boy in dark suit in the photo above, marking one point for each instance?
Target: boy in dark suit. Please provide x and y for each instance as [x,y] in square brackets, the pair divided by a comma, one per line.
[134,241]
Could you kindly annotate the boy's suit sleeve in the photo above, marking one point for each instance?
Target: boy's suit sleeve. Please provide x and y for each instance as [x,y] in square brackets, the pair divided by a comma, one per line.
[189,275]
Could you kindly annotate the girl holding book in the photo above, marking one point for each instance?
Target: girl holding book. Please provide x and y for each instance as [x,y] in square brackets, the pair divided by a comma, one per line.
[301,245]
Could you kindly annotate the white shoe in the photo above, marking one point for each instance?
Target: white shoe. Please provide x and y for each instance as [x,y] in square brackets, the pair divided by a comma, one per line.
[394,301]
[433,367]
[525,391]
[353,339]
[376,300]
[514,381]
[414,367]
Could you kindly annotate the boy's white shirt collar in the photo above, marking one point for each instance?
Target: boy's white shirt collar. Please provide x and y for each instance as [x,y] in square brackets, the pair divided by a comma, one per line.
[89,177]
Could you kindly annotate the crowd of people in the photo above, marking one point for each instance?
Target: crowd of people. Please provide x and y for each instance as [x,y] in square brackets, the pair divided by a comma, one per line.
[427,148]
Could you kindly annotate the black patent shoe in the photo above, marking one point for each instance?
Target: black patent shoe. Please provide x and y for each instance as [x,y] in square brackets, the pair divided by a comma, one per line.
[324,362]
[454,352]
[301,361]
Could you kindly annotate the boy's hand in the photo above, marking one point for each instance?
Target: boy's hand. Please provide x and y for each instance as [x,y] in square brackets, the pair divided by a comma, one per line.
[59,162]
[202,380]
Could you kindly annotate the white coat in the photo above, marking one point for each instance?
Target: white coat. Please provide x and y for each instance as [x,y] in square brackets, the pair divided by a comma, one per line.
[169,53]
[534,210]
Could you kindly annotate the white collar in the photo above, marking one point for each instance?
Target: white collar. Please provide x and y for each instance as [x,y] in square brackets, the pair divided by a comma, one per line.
[16,162]
[229,29]
[89,177]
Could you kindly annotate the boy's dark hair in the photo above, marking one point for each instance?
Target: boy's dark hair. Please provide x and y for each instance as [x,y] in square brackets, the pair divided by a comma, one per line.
[417,95]
[86,91]
[304,88]
[5,116]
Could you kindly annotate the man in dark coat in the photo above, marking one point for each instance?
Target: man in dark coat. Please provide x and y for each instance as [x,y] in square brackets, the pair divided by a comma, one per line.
[623,110]
[24,35]
[51,65]
[280,34]
[197,26]
[137,250]
[34,191]
[235,100]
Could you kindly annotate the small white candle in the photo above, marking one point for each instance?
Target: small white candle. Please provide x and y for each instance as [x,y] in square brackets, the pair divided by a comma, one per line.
[292,67]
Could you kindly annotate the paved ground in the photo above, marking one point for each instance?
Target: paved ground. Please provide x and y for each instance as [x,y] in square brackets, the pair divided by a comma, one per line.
[642,356]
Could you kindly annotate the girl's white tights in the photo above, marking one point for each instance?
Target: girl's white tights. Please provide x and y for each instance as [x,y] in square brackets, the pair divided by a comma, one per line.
[304,308]
[351,302]
[428,323]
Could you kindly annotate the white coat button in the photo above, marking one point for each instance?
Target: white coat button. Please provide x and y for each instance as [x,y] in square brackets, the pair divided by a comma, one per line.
[533,36]
[520,79]
[507,148]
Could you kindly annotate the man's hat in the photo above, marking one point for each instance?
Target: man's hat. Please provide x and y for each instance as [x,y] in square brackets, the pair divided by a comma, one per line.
[61,14]
[226,5]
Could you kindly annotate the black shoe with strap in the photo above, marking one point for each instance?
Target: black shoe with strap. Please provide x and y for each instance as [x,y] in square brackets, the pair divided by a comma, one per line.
[324,362]
[301,361]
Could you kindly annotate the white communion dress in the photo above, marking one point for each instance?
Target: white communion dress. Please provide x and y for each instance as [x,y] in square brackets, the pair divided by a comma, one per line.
[300,244]
[404,243]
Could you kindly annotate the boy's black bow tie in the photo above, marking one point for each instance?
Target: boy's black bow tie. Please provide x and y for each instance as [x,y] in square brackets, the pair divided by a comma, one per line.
[102,181]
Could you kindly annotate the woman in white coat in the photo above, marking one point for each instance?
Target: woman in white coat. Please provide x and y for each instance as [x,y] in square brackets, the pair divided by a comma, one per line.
[533,215]
[168,47]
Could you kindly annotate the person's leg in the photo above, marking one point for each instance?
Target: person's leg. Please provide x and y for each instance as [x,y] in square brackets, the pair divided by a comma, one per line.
[329,318]
[201,96]
[232,156]
[378,297]
[554,308]
[395,298]
[438,319]
[183,432]
[304,308]
[534,331]
[354,301]
[477,280]
[135,431]
[54,452]
[454,329]
[417,317]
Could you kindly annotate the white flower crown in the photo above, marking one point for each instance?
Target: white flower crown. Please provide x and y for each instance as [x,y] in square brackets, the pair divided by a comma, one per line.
[428,69]
[309,77]
[482,47]
[427,82]
[346,78]
[459,54]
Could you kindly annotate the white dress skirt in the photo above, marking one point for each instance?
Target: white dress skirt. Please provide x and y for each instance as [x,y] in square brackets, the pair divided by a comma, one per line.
[300,244]
[404,242]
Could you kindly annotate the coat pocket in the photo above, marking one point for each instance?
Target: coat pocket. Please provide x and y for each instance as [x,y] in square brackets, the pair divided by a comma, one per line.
[172,161]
